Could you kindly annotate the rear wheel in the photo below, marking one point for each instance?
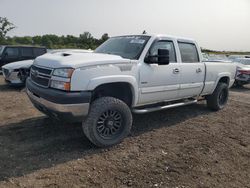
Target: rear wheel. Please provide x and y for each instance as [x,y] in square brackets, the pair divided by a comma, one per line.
[219,98]
[108,123]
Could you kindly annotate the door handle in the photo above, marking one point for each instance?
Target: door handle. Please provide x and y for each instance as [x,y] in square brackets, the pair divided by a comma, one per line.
[176,71]
[198,70]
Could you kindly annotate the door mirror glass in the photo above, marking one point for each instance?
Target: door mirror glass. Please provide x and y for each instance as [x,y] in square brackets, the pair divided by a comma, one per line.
[161,58]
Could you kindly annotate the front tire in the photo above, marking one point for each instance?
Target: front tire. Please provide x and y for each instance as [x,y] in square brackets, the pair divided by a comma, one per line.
[218,99]
[109,121]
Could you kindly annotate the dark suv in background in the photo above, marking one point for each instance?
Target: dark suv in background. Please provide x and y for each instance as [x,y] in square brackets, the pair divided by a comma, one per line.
[10,54]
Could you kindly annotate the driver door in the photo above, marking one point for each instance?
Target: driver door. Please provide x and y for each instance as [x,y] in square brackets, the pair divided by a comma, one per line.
[159,82]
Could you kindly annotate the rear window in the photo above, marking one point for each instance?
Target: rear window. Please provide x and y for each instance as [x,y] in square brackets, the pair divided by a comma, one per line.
[26,52]
[39,51]
[189,53]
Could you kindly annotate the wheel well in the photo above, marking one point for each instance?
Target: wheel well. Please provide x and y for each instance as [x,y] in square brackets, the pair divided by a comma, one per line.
[120,90]
[225,80]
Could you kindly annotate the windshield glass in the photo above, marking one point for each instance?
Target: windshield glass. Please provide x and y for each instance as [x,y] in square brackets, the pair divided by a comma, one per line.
[246,61]
[129,47]
[243,61]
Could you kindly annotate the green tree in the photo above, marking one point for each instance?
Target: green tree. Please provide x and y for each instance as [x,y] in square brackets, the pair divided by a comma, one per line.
[5,27]
[104,37]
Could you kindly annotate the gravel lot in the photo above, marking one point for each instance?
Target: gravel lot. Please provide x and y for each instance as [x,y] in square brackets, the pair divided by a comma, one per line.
[183,147]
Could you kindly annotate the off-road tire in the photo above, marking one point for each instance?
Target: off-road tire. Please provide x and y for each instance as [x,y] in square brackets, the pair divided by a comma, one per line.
[218,99]
[92,123]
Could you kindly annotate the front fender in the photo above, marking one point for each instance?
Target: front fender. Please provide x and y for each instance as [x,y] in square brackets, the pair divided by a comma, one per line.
[95,82]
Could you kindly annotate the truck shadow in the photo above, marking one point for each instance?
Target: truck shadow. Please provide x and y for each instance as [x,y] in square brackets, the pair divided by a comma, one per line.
[6,88]
[39,143]
[245,88]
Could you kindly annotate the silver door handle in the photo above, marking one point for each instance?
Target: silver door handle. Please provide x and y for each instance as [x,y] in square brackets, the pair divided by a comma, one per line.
[176,71]
[198,70]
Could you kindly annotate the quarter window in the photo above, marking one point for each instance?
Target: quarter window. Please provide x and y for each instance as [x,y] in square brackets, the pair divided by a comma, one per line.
[162,44]
[189,53]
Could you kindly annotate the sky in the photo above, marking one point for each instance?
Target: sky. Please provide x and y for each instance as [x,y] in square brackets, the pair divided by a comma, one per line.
[214,24]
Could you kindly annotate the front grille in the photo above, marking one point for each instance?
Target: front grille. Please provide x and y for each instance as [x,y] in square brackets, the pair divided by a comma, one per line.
[6,72]
[40,75]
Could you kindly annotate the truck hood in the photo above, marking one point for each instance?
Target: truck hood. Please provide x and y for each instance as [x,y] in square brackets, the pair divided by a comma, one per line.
[19,64]
[77,60]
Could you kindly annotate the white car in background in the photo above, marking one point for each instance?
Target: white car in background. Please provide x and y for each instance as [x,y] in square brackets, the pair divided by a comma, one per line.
[243,71]
[17,72]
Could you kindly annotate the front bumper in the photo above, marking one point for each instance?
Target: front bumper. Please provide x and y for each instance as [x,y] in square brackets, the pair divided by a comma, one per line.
[13,78]
[243,77]
[69,106]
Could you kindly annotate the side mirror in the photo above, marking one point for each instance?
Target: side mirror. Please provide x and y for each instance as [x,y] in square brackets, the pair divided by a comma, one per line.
[162,58]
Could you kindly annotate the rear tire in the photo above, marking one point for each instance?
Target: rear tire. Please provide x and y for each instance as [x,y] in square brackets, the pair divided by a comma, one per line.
[109,121]
[218,99]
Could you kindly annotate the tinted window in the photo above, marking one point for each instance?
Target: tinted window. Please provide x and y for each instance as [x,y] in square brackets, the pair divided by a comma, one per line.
[39,51]
[164,45]
[12,52]
[189,53]
[26,52]
[126,46]
[1,49]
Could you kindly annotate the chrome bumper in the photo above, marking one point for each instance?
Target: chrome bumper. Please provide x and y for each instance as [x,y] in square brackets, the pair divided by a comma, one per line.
[76,110]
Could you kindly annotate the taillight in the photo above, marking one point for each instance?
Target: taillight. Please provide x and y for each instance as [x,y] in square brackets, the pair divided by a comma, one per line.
[244,71]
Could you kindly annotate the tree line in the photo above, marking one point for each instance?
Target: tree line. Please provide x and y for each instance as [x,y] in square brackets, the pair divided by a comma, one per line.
[83,41]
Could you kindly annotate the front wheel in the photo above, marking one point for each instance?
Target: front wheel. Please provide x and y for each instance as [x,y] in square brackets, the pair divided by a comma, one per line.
[109,121]
[218,99]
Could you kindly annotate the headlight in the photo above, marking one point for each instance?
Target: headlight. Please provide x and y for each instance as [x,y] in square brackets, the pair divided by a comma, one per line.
[60,85]
[64,72]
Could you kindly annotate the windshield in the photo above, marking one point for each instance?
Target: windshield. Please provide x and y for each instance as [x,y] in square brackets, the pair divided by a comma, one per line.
[129,47]
[243,61]
[246,61]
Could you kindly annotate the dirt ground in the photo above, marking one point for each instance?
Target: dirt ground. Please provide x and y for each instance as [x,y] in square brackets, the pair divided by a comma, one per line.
[183,147]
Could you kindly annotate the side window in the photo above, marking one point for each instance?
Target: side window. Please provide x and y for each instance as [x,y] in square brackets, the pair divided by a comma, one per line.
[26,52]
[162,44]
[12,52]
[189,53]
[39,51]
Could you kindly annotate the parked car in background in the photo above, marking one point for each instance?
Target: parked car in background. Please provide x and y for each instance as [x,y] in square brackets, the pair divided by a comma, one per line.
[243,71]
[16,73]
[9,54]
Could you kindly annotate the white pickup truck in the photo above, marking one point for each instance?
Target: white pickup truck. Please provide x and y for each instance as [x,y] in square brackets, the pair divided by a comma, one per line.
[136,73]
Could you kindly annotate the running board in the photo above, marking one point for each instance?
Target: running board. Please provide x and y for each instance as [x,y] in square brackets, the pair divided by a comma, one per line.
[153,109]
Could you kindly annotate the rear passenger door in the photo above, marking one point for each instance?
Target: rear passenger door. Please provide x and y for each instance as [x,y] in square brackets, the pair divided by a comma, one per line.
[192,70]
